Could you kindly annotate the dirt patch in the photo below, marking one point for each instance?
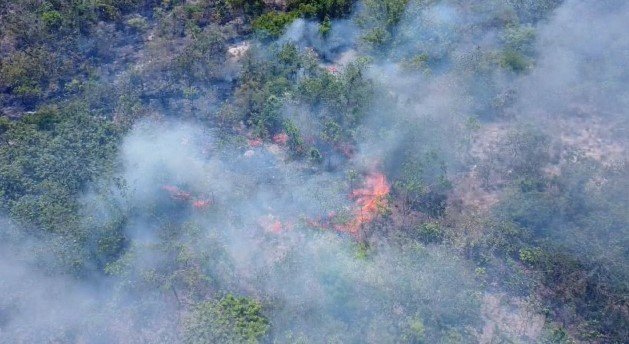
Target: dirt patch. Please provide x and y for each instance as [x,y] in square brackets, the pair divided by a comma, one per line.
[594,136]
[510,317]
[236,52]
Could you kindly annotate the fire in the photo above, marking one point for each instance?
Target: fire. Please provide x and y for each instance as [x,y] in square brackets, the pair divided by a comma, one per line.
[369,199]
[272,224]
[280,139]
[201,204]
[180,195]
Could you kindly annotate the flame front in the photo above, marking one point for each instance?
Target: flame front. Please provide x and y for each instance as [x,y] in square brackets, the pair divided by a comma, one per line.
[370,199]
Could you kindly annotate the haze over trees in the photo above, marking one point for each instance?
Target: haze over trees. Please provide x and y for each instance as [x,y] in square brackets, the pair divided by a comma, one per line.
[314,171]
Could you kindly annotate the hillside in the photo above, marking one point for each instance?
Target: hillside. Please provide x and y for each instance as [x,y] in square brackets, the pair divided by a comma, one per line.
[314,171]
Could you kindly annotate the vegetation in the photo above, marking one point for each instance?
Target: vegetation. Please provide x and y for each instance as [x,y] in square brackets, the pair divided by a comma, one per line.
[231,320]
[411,171]
[273,23]
[48,158]
[380,20]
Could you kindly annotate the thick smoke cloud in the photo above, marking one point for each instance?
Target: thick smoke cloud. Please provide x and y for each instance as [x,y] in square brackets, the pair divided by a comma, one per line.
[313,278]
[315,283]
[249,218]
[581,73]
[42,304]
[582,64]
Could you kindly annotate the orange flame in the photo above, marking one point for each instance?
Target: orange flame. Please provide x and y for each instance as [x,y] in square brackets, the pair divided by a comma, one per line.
[370,199]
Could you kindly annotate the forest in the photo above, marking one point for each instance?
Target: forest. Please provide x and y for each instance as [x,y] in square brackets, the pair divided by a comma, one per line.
[314,171]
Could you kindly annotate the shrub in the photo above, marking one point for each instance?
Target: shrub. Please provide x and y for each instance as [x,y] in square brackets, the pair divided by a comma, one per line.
[231,320]
[430,232]
[267,122]
[23,72]
[379,18]
[202,57]
[272,24]
[56,153]
[325,27]
[247,7]
[531,256]
[296,142]
[28,94]
[422,184]
[52,19]
[321,8]
[315,156]
[514,61]
[138,24]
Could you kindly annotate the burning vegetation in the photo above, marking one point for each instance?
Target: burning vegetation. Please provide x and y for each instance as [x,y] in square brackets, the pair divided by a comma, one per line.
[490,206]
[179,195]
[370,200]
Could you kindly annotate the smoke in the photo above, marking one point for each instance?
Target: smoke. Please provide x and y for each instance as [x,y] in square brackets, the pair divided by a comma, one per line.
[307,34]
[199,216]
[309,274]
[314,281]
[581,69]
[577,92]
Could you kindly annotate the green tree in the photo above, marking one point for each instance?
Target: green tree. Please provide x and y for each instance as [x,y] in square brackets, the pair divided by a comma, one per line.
[230,320]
